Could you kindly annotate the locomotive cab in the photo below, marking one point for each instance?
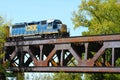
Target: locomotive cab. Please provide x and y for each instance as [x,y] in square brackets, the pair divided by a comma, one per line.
[54,24]
[58,27]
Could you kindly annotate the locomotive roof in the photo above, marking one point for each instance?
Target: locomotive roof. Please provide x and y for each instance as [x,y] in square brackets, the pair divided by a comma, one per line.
[35,22]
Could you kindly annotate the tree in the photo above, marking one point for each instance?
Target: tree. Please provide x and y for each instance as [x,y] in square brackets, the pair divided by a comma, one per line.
[100,17]
[3,35]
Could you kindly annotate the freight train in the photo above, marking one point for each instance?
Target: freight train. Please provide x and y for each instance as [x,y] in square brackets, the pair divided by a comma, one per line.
[53,28]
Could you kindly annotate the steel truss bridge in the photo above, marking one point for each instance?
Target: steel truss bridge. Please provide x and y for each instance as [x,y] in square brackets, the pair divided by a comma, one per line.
[73,54]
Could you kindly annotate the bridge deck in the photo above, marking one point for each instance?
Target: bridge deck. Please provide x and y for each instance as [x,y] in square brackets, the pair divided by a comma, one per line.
[66,40]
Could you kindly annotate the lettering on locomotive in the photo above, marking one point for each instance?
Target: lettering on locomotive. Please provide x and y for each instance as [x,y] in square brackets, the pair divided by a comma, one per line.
[31,28]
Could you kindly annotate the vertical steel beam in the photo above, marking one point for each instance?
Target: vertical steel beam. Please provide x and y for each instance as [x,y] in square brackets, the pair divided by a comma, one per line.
[21,59]
[41,48]
[61,62]
[86,51]
[113,54]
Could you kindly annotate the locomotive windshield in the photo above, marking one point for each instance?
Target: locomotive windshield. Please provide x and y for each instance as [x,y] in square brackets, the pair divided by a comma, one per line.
[57,22]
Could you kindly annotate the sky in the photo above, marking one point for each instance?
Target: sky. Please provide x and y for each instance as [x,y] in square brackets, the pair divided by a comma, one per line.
[36,10]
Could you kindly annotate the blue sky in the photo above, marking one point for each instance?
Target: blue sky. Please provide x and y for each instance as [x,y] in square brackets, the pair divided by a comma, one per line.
[36,10]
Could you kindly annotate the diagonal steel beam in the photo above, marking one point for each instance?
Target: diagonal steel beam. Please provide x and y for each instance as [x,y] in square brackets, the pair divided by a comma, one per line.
[75,55]
[98,54]
[14,53]
[115,44]
[50,55]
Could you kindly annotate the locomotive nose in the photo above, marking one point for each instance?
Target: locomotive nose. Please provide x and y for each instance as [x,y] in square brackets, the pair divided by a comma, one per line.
[63,28]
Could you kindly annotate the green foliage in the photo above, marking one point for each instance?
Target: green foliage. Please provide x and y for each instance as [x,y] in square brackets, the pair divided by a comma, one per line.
[67,76]
[20,75]
[117,62]
[3,34]
[112,76]
[93,76]
[103,76]
[100,16]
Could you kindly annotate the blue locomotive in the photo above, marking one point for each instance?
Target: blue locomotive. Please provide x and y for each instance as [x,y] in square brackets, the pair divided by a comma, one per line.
[42,29]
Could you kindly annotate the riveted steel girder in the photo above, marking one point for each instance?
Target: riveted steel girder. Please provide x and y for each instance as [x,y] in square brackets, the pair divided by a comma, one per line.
[74,54]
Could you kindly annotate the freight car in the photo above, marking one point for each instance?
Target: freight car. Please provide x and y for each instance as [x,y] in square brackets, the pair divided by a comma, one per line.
[43,29]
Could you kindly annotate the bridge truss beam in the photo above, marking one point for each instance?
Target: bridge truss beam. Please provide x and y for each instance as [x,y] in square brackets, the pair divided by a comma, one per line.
[74,54]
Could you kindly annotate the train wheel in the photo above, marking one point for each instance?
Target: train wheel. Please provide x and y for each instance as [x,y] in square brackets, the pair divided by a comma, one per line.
[13,39]
[46,36]
[9,39]
[55,36]
[50,36]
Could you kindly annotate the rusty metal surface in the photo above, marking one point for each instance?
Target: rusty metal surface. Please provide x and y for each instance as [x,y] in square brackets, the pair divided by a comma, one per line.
[68,69]
[65,40]
[75,54]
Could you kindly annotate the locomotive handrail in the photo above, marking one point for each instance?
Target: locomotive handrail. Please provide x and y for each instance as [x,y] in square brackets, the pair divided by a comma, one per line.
[80,39]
